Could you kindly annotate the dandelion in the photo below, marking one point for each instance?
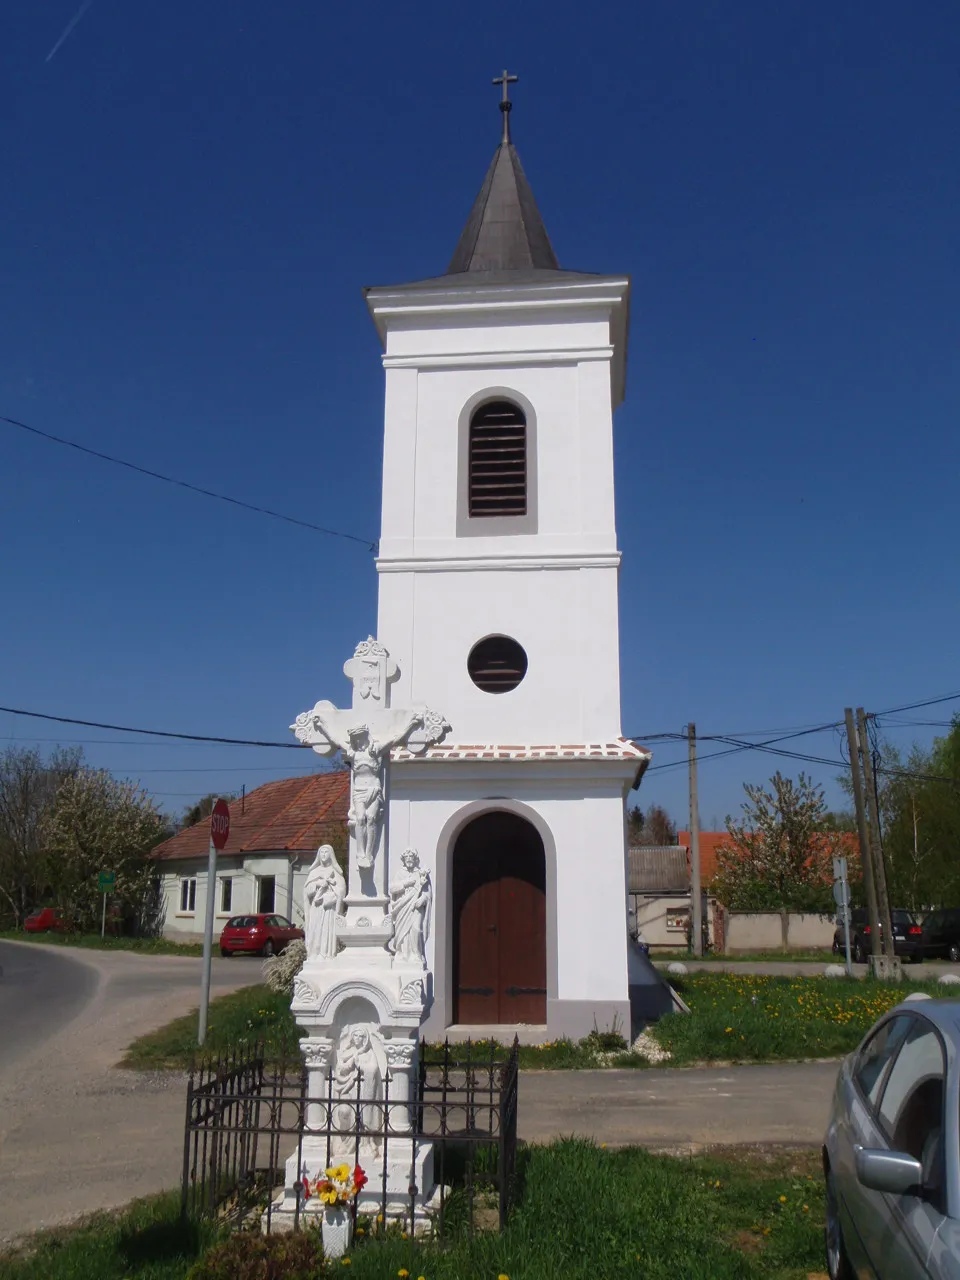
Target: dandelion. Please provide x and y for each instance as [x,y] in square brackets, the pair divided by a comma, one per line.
[403,1273]
[783,1199]
[806,1208]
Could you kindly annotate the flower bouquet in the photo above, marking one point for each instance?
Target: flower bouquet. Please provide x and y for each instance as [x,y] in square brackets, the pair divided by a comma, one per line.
[337,1189]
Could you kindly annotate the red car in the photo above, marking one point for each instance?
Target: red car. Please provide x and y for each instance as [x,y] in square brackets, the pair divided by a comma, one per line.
[44,919]
[267,934]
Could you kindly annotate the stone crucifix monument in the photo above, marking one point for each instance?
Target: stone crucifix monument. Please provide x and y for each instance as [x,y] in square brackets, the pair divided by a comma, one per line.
[364,987]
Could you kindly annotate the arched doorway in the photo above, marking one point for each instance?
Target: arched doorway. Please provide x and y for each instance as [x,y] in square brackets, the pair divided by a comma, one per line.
[499,922]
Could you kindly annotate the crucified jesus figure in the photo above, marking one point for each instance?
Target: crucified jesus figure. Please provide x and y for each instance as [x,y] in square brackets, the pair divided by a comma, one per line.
[365,754]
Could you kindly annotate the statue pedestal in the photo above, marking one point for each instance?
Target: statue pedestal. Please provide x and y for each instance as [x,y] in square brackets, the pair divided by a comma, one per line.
[361,1012]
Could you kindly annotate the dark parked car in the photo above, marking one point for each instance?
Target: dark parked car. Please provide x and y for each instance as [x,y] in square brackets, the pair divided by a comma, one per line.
[941,933]
[907,936]
[45,919]
[267,934]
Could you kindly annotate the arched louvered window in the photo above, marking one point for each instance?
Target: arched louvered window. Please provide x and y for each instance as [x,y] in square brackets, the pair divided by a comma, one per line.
[497,477]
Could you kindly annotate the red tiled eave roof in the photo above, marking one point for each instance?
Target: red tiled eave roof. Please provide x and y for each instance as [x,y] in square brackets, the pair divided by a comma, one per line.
[292,815]
[710,841]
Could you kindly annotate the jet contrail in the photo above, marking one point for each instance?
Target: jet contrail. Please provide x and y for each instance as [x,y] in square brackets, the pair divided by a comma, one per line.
[69,27]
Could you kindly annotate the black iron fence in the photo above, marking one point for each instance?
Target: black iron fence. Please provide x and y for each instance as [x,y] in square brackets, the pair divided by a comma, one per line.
[248,1114]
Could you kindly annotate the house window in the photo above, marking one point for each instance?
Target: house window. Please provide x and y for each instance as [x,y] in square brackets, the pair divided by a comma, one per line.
[188,894]
[497,468]
[267,893]
[226,895]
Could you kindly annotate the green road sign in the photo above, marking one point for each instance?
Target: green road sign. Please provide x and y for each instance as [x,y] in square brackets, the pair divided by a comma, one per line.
[106,881]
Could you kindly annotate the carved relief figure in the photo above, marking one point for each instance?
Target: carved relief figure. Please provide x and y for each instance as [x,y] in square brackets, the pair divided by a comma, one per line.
[323,893]
[411,899]
[358,1079]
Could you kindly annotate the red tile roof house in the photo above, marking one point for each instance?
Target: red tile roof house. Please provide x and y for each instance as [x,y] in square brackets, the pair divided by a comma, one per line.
[274,835]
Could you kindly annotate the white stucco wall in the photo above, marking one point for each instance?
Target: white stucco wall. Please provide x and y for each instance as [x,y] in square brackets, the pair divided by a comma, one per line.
[547,579]
[580,820]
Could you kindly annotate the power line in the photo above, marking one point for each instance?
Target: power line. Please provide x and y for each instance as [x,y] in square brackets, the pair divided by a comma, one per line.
[912,706]
[158,733]
[185,484]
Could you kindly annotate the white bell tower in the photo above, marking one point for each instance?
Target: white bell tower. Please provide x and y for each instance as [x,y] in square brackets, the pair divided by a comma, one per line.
[498,570]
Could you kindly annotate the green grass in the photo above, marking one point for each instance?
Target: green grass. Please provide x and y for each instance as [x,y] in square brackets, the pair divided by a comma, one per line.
[823,956]
[93,941]
[754,1018]
[583,1213]
[146,1240]
[234,1021]
[257,1013]
[734,1018]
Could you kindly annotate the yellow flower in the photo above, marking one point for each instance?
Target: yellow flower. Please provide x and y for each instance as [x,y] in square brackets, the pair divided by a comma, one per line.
[806,1208]
[783,1199]
[502,1277]
[345,1262]
[341,1172]
[361,1231]
[403,1273]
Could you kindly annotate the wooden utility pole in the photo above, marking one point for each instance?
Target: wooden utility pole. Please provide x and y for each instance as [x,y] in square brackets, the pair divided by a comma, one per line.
[876,839]
[696,906]
[866,859]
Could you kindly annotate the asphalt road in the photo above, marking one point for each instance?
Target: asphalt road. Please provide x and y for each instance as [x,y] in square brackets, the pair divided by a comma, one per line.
[680,1108]
[40,992]
[69,1119]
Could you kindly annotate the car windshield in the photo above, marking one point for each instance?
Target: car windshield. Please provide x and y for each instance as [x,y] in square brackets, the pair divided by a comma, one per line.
[902,918]
[241,922]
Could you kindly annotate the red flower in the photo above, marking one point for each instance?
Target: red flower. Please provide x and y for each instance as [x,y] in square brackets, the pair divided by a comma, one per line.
[359,1179]
[306,1187]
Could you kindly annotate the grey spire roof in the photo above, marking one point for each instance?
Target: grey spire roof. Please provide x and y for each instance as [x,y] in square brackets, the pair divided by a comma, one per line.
[504,231]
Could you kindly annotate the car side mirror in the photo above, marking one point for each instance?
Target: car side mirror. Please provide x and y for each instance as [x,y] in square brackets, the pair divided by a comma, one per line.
[892,1171]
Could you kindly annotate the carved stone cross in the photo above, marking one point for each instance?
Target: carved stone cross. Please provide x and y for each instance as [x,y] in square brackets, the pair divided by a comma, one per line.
[366,734]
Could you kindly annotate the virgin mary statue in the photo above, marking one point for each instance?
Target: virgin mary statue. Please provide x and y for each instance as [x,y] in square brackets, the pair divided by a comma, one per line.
[323,893]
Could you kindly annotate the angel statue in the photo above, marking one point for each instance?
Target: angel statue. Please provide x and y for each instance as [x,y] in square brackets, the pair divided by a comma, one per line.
[324,891]
[358,1081]
[411,898]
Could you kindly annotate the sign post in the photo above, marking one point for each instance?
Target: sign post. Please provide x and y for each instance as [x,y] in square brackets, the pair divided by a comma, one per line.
[106,883]
[841,896]
[219,831]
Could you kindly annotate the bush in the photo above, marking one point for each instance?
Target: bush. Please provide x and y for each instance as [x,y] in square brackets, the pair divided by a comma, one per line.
[279,972]
[297,1256]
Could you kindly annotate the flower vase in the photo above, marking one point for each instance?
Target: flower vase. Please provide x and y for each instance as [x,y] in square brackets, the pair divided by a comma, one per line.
[337,1230]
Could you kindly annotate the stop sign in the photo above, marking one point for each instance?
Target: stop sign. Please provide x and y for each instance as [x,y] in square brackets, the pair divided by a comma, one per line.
[220,824]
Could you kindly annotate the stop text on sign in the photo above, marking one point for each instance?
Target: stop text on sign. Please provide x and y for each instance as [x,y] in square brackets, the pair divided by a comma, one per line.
[220,824]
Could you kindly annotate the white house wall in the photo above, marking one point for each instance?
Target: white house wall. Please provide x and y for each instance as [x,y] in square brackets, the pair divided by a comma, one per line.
[245,874]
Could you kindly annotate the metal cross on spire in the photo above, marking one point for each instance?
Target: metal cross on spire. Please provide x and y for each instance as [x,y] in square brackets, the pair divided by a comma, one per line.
[505,80]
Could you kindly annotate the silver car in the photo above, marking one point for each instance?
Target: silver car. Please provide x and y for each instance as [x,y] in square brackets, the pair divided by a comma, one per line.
[891,1156]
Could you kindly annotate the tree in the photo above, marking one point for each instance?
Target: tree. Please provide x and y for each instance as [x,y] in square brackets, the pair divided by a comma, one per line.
[919,801]
[195,813]
[778,856]
[28,788]
[101,824]
[653,827]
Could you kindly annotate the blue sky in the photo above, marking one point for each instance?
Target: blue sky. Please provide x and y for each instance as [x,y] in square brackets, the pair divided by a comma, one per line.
[194,196]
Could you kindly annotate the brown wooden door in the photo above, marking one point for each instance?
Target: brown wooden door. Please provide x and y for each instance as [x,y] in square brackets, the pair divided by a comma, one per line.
[500,915]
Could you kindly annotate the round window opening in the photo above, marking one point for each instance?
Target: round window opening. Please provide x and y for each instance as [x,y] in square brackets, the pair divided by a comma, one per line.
[497,664]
